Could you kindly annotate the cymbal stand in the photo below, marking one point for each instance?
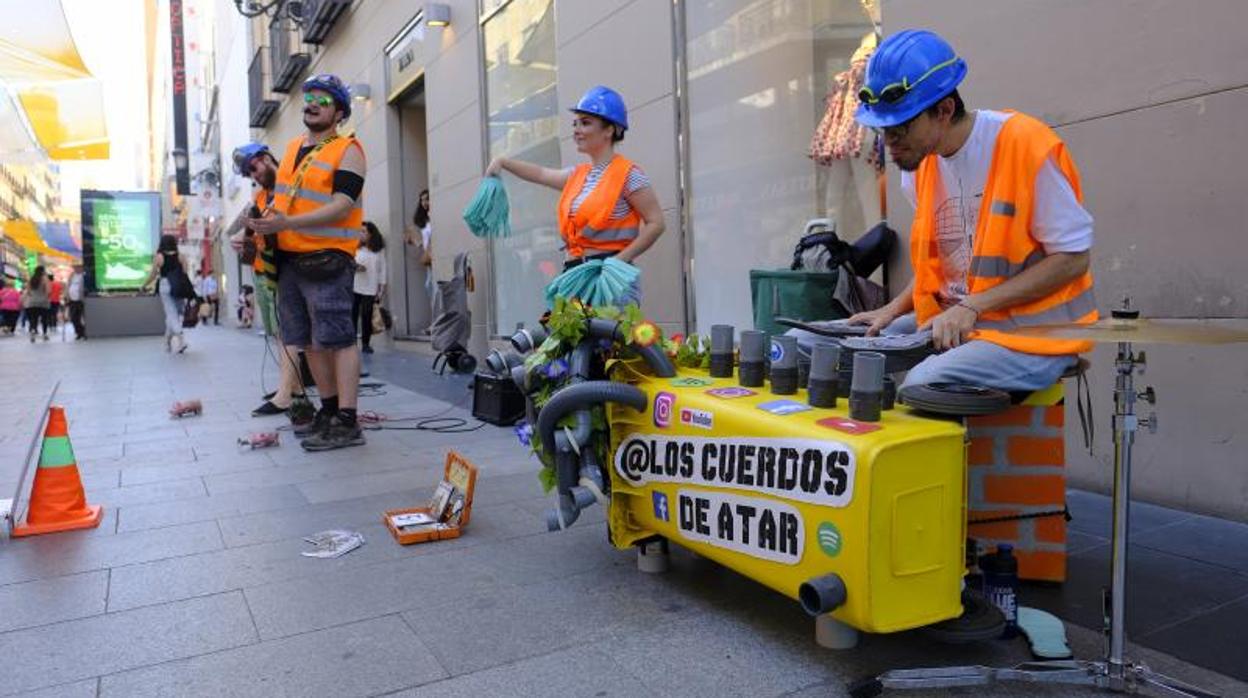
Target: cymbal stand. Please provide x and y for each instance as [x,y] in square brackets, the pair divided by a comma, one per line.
[1115,672]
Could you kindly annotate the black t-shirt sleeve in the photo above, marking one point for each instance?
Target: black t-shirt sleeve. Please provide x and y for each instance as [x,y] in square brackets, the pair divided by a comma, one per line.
[348,183]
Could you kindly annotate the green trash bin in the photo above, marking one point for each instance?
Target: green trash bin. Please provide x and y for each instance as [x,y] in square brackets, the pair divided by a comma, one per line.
[801,295]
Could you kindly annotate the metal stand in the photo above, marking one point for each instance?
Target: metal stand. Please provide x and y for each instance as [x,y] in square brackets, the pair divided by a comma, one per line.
[1116,672]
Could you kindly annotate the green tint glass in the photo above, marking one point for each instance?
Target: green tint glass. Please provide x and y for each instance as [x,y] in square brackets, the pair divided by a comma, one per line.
[320,100]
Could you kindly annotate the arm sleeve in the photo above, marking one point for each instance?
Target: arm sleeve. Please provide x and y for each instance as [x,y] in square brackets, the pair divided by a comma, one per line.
[382,274]
[637,180]
[1059,222]
[348,183]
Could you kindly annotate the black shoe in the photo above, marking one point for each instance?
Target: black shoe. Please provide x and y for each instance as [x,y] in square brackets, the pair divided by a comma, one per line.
[319,424]
[367,350]
[336,435]
[269,396]
[267,409]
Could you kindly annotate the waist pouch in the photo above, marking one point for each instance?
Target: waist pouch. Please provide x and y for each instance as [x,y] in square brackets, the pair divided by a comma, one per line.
[322,265]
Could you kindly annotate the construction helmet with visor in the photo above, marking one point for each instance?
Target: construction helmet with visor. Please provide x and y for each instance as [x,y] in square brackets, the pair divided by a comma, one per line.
[331,84]
[910,71]
[244,154]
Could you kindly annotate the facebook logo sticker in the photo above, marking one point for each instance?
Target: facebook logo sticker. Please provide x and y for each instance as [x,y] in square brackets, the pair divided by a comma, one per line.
[661,511]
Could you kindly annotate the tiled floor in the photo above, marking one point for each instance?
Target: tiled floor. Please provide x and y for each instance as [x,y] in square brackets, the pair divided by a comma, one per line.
[193,584]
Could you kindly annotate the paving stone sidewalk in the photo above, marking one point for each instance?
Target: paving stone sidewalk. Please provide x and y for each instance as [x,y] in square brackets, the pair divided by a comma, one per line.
[193,585]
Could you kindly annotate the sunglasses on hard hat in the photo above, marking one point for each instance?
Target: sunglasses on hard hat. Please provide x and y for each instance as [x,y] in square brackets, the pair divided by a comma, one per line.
[319,100]
[892,93]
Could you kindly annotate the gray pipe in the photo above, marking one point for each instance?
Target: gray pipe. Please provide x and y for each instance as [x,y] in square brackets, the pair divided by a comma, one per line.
[583,395]
[569,509]
[653,355]
[822,594]
[591,474]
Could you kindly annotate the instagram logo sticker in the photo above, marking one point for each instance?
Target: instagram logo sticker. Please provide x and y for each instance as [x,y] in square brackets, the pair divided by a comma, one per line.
[663,409]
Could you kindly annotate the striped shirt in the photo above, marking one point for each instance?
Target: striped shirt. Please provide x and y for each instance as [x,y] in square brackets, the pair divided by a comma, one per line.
[636,180]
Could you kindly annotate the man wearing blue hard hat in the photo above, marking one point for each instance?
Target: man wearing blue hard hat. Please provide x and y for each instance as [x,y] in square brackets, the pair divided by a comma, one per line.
[317,215]
[607,208]
[1000,238]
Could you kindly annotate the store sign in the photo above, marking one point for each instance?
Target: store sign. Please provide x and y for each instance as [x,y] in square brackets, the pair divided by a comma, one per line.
[178,53]
[807,470]
[405,58]
[761,528]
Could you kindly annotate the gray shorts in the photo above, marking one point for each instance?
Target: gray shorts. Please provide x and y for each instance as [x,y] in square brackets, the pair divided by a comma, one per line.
[315,313]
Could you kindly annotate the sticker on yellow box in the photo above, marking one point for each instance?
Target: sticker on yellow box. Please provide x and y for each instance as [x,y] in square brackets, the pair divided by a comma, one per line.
[761,528]
[809,470]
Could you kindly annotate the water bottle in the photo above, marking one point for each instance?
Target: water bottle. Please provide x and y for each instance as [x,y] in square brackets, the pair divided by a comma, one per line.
[1001,585]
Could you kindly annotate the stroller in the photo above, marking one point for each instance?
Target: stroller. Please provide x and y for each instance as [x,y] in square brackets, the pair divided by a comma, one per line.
[452,324]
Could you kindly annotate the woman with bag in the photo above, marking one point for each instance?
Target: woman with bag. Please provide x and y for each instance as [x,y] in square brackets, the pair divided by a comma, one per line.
[174,288]
[370,284]
[607,208]
[37,303]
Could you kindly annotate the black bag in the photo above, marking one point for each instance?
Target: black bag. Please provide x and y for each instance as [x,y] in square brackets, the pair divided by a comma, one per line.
[819,250]
[387,319]
[321,265]
[872,250]
[180,285]
[190,313]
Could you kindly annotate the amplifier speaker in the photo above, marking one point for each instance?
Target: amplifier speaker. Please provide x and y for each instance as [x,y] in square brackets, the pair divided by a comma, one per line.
[496,400]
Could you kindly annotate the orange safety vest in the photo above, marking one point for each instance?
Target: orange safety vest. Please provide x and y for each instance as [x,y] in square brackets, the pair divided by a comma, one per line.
[591,229]
[314,191]
[1003,246]
[262,202]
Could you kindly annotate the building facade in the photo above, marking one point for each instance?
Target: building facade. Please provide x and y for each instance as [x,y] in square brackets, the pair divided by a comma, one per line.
[735,116]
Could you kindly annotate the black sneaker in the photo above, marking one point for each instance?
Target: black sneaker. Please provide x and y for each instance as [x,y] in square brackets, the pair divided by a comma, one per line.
[267,409]
[319,424]
[367,350]
[336,435]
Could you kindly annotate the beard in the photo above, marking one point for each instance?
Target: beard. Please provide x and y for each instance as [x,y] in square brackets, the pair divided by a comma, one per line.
[908,162]
[268,180]
[316,123]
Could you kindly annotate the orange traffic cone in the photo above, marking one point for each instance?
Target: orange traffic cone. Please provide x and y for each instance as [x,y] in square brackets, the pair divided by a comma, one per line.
[57,501]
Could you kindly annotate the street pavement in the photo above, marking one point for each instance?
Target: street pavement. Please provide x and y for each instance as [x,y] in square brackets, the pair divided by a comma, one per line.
[193,584]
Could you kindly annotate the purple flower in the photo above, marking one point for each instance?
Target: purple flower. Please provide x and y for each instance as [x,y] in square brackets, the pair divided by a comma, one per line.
[524,432]
[556,369]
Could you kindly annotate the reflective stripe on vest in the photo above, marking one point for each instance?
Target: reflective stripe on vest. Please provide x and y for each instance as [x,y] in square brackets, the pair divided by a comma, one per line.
[1002,266]
[1003,244]
[294,197]
[591,228]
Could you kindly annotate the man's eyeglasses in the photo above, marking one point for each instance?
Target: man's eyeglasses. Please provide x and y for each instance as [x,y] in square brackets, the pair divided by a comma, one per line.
[319,100]
[893,93]
[900,130]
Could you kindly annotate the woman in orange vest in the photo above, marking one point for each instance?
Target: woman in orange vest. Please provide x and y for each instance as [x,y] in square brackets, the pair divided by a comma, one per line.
[607,207]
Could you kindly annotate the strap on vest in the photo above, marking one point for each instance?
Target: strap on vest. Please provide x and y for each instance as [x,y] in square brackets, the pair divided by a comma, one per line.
[1070,311]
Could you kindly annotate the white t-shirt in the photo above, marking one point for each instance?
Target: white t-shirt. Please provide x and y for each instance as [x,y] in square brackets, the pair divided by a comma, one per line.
[426,234]
[1059,222]
[369,279]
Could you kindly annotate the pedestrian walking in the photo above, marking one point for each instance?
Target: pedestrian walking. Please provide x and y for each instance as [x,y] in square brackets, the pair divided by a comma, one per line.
[36,302]
[10,307]
[174,287]
[75,292]
[55,290]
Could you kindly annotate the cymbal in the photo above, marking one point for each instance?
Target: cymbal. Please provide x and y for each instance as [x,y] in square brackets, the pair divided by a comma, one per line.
[1142,331]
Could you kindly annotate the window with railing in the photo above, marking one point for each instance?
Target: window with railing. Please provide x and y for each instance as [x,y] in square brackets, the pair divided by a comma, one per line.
[319,18]
[286,64]
[261,109]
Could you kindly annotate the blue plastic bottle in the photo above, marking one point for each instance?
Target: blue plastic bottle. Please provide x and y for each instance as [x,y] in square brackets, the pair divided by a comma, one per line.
[1001,585]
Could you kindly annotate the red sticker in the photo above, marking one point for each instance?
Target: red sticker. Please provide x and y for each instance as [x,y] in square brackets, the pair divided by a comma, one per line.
[849,426]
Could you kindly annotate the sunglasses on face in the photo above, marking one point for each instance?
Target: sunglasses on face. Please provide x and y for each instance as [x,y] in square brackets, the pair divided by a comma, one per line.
[319,100]
[899,131]
[892,93]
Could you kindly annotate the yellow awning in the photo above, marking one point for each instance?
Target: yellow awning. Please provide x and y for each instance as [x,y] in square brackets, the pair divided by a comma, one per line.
[26,234]
[62,101]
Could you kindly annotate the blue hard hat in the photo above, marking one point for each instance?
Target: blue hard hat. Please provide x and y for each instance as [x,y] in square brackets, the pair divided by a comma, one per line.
[335,88]
[244,154]
[910,71]
[606,103]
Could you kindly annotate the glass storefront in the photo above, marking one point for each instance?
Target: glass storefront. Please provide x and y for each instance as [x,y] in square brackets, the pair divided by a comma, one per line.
[769,147]
[522,120]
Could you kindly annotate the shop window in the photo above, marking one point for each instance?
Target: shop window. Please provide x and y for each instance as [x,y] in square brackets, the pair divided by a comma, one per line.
[760,75]
[522,122]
